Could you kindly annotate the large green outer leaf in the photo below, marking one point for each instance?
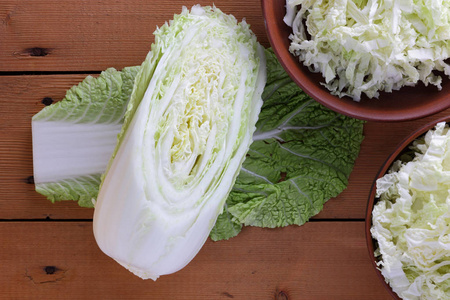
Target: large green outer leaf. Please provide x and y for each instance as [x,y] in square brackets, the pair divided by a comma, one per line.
[74,138]
[302,155]
[286,177]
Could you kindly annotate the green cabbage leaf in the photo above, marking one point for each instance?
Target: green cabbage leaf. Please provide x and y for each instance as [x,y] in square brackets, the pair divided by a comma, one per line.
[74,139]
[301,157]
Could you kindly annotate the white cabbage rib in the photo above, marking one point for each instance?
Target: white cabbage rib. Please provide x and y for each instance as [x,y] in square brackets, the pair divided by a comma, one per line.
[181,152]
[73,139]
[54,146]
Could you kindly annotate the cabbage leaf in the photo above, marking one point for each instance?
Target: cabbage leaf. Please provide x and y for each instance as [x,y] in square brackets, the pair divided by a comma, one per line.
[325,174]
[301,156]
[74,139]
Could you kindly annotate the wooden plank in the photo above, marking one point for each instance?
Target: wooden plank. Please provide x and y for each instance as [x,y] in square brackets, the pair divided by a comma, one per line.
[21,99]
[380,140]
[76,35]
[321,260]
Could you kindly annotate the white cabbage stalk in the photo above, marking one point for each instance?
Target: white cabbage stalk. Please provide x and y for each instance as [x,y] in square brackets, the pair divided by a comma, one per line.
[74,138]
[187,130]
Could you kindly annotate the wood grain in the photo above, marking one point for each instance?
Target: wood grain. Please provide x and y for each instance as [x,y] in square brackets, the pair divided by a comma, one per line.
[380,140]
[85,35]
[22,98]
[322,260]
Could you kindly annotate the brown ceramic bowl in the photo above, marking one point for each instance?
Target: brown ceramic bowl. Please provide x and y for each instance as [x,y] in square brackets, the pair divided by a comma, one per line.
[406,104]
[399,150]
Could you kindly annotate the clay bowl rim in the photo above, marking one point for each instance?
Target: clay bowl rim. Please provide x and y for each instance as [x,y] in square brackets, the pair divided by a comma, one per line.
[399,149]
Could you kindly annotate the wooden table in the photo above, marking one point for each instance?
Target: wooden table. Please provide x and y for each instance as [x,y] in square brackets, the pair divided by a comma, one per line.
[47,251]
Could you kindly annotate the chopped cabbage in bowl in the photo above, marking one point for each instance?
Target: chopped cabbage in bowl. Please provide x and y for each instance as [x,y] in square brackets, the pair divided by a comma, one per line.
[411,220]
[368,46]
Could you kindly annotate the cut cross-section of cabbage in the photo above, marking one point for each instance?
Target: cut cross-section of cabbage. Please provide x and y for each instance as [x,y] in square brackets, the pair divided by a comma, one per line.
[188,127]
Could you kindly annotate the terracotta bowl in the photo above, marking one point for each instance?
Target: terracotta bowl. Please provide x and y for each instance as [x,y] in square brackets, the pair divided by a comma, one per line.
[399,150]
[406,104]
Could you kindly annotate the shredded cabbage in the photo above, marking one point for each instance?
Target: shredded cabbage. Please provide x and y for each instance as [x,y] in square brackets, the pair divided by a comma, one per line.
[367,46]
[411,220]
